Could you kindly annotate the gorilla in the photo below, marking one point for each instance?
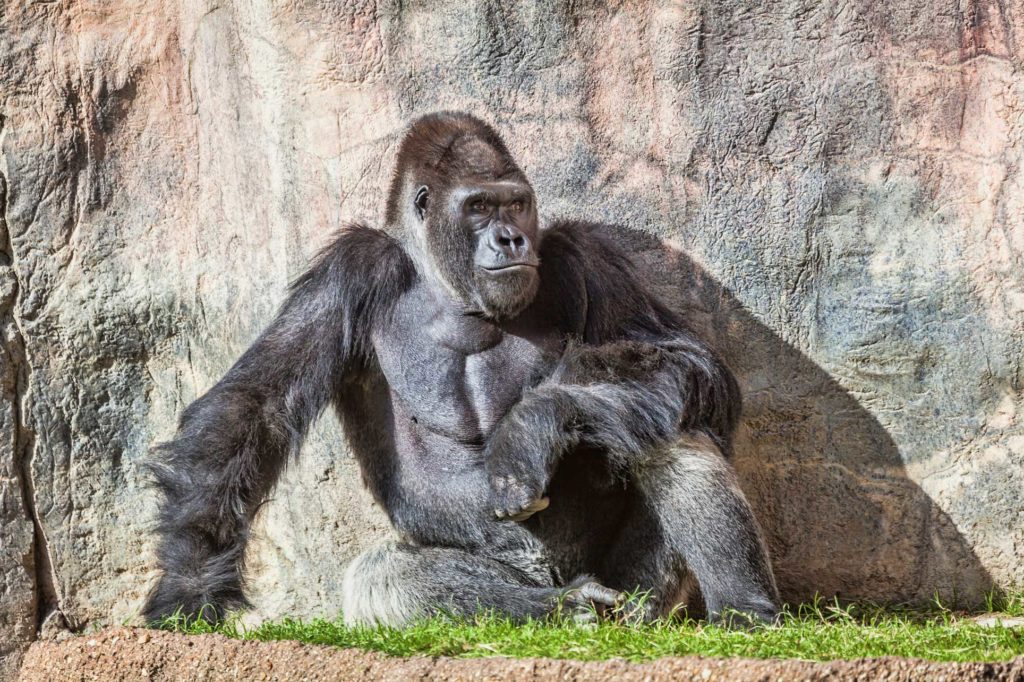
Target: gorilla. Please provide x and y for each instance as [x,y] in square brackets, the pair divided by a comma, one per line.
[543,433]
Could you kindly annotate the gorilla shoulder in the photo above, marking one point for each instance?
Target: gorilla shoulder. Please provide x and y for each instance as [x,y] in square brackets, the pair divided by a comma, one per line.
[364,271]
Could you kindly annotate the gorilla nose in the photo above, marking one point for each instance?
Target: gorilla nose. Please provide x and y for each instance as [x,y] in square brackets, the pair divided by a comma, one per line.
[509,242]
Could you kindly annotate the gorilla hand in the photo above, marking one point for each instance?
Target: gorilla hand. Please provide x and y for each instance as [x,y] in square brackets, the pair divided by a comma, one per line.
[588,601]
[522,454]
[517,484]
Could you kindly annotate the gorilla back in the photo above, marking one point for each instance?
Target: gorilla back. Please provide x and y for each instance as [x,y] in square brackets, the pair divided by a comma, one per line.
[542,432]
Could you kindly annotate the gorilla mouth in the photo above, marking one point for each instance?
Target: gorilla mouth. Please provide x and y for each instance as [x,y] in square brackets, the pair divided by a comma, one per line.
[509,266]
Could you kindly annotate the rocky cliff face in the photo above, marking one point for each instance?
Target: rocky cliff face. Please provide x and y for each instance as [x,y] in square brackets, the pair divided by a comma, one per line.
[832,190]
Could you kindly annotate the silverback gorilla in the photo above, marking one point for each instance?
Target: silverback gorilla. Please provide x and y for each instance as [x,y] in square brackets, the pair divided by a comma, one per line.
[541,430]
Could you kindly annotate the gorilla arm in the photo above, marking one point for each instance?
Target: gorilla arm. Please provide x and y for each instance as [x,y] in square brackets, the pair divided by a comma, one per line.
[233,442]
[638,380]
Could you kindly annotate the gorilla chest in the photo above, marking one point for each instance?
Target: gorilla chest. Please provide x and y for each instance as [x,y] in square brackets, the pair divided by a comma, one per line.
[455,376]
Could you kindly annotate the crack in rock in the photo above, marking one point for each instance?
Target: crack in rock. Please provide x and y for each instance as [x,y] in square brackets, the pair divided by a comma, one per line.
[23,437]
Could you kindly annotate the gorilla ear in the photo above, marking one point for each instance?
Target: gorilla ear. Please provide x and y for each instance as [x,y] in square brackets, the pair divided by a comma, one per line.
[421,201]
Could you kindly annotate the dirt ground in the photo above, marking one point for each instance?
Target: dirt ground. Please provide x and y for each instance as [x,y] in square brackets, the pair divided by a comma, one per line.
[135,654]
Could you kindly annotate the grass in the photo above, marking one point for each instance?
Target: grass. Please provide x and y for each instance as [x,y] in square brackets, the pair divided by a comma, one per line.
[819,631]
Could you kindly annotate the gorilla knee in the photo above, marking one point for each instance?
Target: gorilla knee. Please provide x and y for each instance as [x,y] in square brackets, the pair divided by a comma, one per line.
[378,590]
[694,461]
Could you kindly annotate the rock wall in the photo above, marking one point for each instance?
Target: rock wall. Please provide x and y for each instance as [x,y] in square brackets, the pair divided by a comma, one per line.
[832,190]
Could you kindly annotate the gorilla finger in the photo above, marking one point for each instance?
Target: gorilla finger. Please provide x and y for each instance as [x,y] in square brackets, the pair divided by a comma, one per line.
[537,505]
[512,515]
[529,510]
[599,594]
[526,512]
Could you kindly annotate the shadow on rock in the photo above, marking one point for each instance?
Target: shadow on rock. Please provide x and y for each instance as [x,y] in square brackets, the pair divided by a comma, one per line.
[841,515]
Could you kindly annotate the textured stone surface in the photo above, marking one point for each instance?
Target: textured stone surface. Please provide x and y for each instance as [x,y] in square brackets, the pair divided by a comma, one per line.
[833,190]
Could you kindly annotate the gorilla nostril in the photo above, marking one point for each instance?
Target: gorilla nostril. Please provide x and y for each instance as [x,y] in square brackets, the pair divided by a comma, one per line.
[508,240]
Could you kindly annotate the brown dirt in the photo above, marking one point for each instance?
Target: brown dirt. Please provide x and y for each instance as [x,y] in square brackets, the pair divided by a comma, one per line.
[135,654]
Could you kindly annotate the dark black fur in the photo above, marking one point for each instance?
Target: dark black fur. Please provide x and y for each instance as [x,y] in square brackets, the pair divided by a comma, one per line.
[481,368]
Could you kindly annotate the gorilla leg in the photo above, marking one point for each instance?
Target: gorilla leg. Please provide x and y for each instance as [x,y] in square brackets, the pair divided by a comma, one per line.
[395,584]
[689,519]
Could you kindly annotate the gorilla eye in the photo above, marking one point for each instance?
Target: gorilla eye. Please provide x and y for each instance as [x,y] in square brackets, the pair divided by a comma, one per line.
[516,206]
[478,206]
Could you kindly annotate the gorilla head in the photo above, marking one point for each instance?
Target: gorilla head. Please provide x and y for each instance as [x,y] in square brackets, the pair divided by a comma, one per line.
[467,213]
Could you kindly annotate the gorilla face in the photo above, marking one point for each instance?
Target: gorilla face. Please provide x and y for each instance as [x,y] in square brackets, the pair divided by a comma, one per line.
[501,221]
[467,214]
[483,242]
[481,235]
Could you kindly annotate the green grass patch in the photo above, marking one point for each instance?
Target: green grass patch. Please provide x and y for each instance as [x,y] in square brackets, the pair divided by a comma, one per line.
[818,632]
